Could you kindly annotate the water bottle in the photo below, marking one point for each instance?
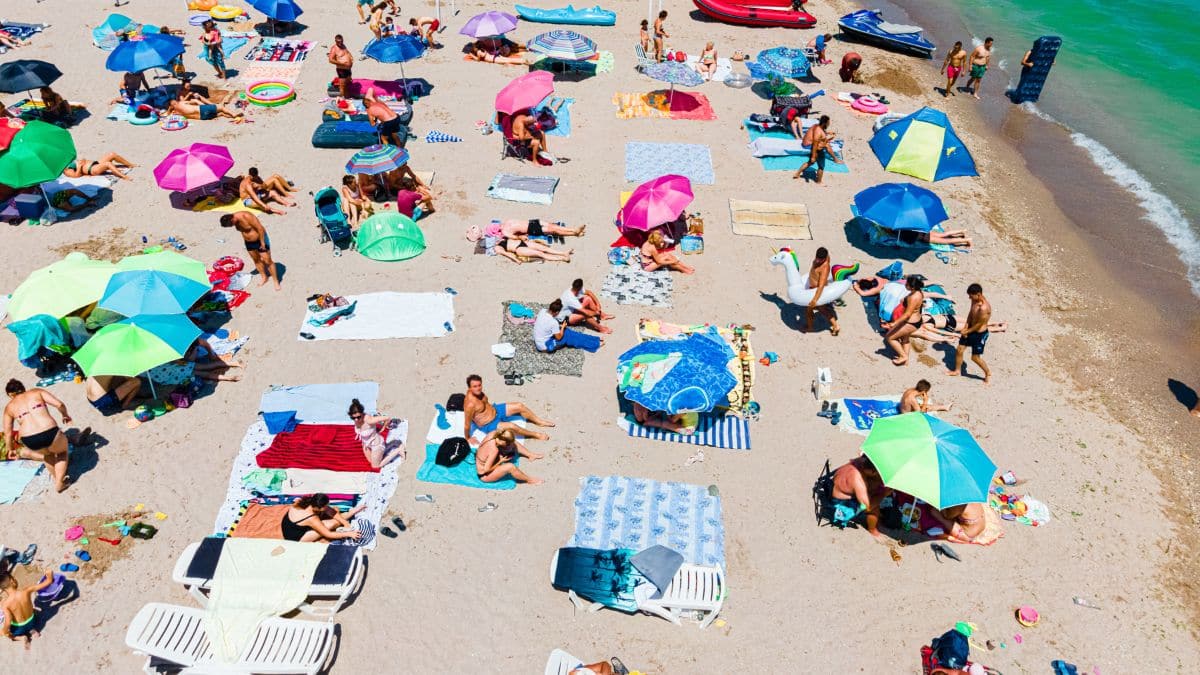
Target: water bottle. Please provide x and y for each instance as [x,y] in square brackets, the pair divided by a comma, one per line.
[1084,602]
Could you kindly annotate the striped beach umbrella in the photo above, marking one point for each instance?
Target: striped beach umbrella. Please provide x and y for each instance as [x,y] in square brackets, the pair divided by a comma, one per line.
[565,45]
[376,159]
[673,72]
[930,459]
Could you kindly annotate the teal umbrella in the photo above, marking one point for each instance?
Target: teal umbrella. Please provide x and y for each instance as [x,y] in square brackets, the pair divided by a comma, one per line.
[930,459]
[137,292]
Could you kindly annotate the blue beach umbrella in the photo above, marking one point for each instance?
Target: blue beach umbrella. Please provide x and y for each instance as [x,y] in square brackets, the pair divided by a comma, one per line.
[901,206]
[152,51]
[923,145]
[280,10]
[395,49]
[784,62]
[565,45]
[930,459]
[678,376]
[138,292]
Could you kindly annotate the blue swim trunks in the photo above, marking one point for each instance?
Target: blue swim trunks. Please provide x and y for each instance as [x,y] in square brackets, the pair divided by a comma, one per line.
[501,416]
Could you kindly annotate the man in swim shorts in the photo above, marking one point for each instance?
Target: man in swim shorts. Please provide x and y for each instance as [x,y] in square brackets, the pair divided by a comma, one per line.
[817,138]
[258,244]
[980,58]
[343,63]
[111,394]
[480,414]
[257,195]
[200,111]
[385,120]
[975,333]
[818,277]
[425,27]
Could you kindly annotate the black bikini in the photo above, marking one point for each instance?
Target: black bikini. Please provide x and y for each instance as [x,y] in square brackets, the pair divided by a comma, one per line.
[41,440]
[294,531]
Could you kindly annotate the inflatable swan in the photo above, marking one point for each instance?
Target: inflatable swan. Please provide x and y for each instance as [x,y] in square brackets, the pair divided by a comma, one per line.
[797,282]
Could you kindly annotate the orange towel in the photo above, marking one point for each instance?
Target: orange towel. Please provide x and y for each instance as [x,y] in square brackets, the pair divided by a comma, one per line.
[261,522]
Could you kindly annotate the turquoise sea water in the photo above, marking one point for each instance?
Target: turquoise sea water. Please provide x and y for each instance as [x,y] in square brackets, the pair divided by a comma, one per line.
[1127,83]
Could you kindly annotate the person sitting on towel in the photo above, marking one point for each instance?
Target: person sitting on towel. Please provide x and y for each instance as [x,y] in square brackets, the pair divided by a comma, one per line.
[480,414]
[858,488]
[494,458]
[661,420]
[584,308]
[550,331]
[917,399]
[963,523]
[414,201]
[311,519]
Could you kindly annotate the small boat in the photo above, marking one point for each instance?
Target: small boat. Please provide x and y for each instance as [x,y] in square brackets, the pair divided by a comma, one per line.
[756,13]
[868,25]
[596,16]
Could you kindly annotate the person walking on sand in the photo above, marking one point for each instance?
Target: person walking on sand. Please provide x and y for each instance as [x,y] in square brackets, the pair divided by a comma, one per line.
[953,67]
[917,399]
[908,322]
[258,244]
[343,63]
[818,277]
[214,49]
[980,59]
[660,34]
[817,139]
[975,333]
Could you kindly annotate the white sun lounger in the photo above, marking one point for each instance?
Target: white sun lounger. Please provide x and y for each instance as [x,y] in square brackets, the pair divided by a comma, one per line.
[694,588]
[339,592]
[176,634]
[561,663]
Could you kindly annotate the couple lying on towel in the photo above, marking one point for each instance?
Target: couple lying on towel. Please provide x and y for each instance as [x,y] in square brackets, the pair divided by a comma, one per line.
[499,446]
[518,240]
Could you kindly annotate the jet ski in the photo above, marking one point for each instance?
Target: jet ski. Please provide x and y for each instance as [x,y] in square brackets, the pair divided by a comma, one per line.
[868,25]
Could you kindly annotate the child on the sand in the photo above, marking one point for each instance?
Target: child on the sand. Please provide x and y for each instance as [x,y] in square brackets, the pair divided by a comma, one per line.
[20,616]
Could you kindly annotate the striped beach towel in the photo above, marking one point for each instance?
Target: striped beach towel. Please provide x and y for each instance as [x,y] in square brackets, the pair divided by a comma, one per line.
[730,432]
[441,137]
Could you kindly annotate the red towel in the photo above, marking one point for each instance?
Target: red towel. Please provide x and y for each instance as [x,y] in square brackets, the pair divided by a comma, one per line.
[316,446]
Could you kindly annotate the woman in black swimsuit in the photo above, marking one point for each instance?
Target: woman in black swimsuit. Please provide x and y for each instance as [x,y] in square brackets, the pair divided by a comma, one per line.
[28,412]
[312,520]
[907,323]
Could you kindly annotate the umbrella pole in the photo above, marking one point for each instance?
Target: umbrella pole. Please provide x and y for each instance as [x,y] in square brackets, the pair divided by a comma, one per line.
[908,517]
[153,394]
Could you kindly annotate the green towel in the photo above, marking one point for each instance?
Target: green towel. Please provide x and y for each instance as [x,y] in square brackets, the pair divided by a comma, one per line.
[271,479]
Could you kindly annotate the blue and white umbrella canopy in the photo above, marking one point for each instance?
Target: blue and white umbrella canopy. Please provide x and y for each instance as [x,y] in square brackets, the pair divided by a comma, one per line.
[152,51]
[678,376]
[901,206]
[566,45]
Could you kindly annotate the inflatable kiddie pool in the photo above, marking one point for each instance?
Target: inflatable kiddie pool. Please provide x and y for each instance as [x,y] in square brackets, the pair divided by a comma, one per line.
[869,104]
[270,93]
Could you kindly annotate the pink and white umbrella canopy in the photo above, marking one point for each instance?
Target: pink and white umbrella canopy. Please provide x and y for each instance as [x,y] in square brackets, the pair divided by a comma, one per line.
[195,166]
[657,201]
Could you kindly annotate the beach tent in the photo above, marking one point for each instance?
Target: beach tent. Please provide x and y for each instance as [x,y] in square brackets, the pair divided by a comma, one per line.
[389,237]
[923,145]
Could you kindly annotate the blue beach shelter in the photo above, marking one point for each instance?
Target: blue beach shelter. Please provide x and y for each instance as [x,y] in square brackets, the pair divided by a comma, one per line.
[923,145]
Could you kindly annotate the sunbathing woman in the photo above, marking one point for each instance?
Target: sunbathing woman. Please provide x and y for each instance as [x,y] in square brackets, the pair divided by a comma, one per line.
[515,248]
[29,413]
[502,55]
[707,65]
[956,238]
[494,458]
[366,427]
[110,163]
[310,519]
[8,40]
[653,257]
[661,420]
[188,94]
[56,109]
[969,524]
[908,322]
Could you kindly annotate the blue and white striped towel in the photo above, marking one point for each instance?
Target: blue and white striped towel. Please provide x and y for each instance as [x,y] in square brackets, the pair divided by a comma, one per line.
[730,432]
[441,137]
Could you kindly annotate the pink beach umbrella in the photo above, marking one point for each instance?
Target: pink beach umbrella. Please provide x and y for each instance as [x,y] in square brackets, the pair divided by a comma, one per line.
[655,202]
[197,165]
[525,92]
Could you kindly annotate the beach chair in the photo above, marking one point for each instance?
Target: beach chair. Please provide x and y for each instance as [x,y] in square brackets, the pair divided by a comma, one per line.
[561,663]
[327,203]
[511,146]
[338,576]
[695,588]
[177,635]
[822,496]
[643,60]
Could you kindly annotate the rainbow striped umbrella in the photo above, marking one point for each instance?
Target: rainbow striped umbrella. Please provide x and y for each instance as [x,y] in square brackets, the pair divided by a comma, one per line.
[566,45]
[376,159]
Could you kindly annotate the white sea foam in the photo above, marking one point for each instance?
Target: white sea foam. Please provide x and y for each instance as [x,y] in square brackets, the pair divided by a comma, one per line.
[1158,209]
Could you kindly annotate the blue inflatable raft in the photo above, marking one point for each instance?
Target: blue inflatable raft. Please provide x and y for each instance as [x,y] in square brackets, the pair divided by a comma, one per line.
[569,15]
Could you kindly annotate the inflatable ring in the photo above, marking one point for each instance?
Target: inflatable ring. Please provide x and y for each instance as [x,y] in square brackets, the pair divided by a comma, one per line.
[152,118]
[174,123]
[869,104]
[225,12]
[270,93]
[202,5]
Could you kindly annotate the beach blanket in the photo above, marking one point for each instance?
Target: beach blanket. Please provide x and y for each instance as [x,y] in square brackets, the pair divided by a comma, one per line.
[602,63]
[773,220]
[358,86]
[644,161]
[231,41]
[388,315]
[462,474]
[268,70]
[790,162]
[88,185]
[455,420]
[311,481]
[637,513]
[528,360]
[629,285]
[737,336]
[606,577]
[21,31]
[255,580]
[715,431]
[15,476]
[277,50]
[561,107]
[257,521]
[722,73]
[223,342]
[859,414]
[435,136]
[680,105]
[320,403]
[525,189]
[632,105]
[316,446]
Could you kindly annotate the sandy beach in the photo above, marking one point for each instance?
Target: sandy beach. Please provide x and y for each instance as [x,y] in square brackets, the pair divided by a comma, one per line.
[1079,406]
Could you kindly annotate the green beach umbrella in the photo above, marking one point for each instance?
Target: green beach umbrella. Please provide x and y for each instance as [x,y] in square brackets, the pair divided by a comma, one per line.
[61,288]
[390,236]
[930,459]
[166,261]
[38,153]
[137,344]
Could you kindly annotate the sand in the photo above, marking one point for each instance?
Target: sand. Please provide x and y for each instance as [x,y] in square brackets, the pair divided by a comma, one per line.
[467,590]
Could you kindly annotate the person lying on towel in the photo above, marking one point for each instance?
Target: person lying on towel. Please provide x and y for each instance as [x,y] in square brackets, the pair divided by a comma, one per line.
[970,524]
[481,415]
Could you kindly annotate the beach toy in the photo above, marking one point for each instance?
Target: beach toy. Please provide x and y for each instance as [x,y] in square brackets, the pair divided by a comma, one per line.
[51,592]
[202,5]
[112,542]
[73,533]
[143,414]
[173,123]
[143,531]
[843,272]
[225,12]
[198,19]
[270,93]
[869,104]
[159,515]
[739,80]
[1028,616]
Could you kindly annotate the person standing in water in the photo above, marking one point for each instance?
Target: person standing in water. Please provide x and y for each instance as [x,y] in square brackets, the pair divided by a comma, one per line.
[981,58]
[953,67]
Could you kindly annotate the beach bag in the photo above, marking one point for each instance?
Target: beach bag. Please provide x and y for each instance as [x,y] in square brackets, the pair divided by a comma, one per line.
[546,120]
[181,399]
[951,650]
[453,451]
[456,402]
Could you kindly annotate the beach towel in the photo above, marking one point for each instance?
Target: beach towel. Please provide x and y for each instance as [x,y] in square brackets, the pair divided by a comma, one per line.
[631,105]
[15,476]
[255,580]
[773,220]
[455,419]
[637,513]
[462,474]
[120,113]
[561,107]
[388,315]
[258,522]
[358,86]
[223,343]
[607,577]
[644,161]
[330,571]
[320,403]
[859,414]
[630,285]
[602,63]
[441,137]
[528,360]
[715,431]
[311,481]
[88,185]
[277,51]
[680,105]
[737,336]
[791,162]
[878,236]
[525,189]
[268,70]
[316,446]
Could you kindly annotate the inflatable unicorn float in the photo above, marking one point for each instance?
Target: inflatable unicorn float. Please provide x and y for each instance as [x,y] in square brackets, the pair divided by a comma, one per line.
[798,290]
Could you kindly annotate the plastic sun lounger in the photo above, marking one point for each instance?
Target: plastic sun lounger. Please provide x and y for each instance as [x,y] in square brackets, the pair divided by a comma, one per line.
[561,663]
[643,59]
[339,592]
[176,634]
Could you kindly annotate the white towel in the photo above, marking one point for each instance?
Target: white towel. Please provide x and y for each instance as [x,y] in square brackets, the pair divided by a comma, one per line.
[311,481]
[382,316]
[723,71]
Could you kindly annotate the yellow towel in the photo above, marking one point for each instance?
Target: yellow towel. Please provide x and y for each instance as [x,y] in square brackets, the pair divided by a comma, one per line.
[236,206]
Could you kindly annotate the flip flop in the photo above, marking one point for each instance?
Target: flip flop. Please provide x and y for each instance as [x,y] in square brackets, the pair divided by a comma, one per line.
[83,555]
[388,532]
[399,524]
[308,336]
[27,556]
[618,667]
[68,567]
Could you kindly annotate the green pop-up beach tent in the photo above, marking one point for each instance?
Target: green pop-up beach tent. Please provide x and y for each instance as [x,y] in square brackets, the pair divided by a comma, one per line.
[389,237]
